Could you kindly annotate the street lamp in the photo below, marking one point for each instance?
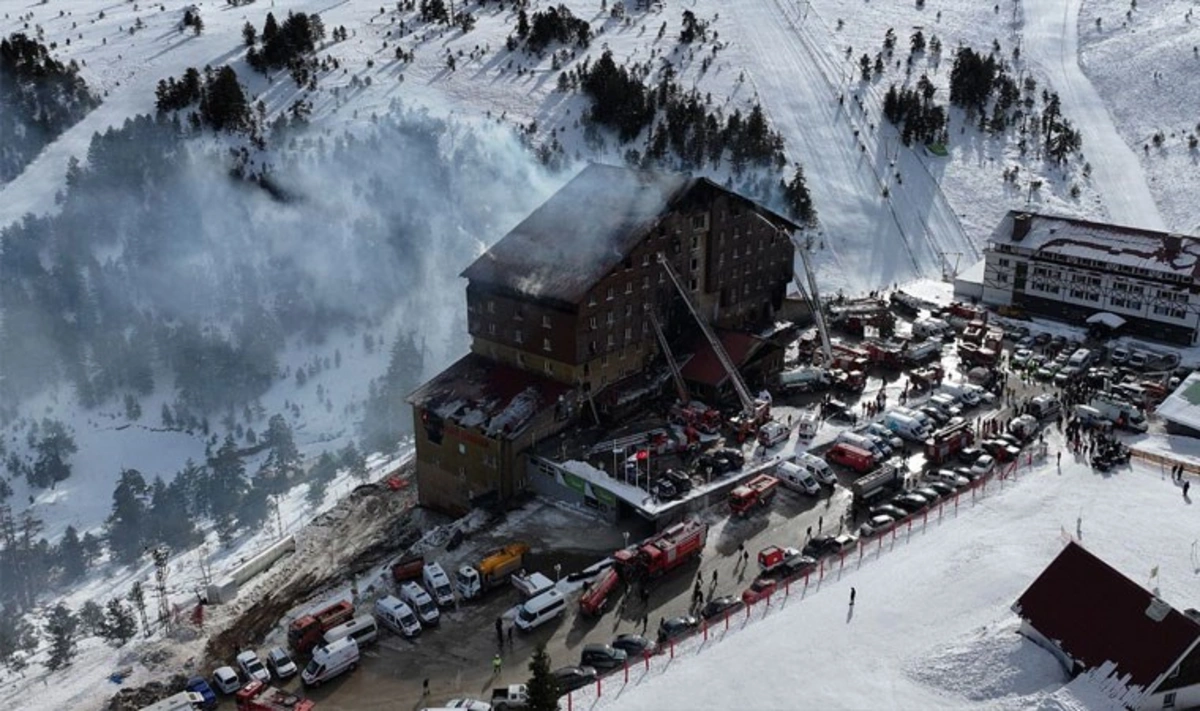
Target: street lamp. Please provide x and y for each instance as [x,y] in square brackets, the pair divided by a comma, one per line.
[557,572]
[625,534]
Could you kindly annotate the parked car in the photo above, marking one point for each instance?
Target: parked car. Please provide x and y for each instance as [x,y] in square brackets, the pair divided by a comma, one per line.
[1119,356]
[970,454]
[796,565]
[664,489]
[719,606]
[983,465]
[819,546]
[1021,356]
[941,487]
[876,525]
[931,495]
[602,657]
[468,704]
[253,667]
[838,411]
[635,645]
[676,627]
[895,512]
[967,473]
[934,414]
[682,482]
[280,663]
[1138,360]
[910,502]
[948,477]
[226,680]
[1042,338]
[1026,342]
[571,678]
[198,685]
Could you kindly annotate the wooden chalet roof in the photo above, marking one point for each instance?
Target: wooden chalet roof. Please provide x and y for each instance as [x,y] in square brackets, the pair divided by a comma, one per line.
[585,230]
[1096,615]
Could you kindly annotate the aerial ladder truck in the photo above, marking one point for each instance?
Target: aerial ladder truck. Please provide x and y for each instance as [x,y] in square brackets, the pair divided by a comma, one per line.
[754,412]
[809,293]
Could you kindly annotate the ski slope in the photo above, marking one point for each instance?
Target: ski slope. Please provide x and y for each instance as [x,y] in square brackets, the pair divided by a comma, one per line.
[1052,44]
[931,626]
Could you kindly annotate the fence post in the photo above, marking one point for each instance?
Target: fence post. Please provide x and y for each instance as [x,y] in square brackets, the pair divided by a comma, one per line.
[748,611]
[627,670]
[787,588]
[570,702]
[822,571]
[925,519]
[841,561]
[672,649]
[727,620]
[769,598]
[598,689]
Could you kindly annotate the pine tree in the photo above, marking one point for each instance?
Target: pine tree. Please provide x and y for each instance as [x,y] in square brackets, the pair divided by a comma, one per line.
[226,487]
[168,519]
[119,624]
[284,458]
[353,461]
[91,619]
[126,525]
[249,34]
[54,450]
[270,28]
[71,557]
[17,637]
[60,628]
[137,596]
[542,687]
[167,420]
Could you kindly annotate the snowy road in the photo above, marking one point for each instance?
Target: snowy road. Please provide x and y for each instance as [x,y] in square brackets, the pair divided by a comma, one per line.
[1051,35]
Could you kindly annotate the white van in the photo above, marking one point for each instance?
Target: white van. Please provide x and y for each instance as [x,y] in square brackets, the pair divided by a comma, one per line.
[818,467]
[330,660]
[396,616]
[421,603]
[535,611]
[908,427]
[438,584]
[772,434]
[797,478]
[967,396]
[1080,358]
[362,629]
[917,415]
[863,442]
[947,403]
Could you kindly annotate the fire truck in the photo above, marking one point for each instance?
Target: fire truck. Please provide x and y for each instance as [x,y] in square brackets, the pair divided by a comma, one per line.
[948,442]
[596,597]
[305,632]
[257,696]
[885,354]
[848,358]
[755,493]
[666,551]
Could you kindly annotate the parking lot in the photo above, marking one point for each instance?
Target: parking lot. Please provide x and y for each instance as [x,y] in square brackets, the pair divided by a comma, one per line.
[456,658]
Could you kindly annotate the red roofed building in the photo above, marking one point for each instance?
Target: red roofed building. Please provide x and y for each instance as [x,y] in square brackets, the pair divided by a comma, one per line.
[755,357]
[1089,616]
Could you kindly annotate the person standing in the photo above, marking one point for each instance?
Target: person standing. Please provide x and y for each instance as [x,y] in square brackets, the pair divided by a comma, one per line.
[853,593]
[497,663]
[499,632]
[1186,485]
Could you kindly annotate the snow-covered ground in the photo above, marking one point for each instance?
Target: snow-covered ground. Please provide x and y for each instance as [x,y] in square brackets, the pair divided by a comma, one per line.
[932,626]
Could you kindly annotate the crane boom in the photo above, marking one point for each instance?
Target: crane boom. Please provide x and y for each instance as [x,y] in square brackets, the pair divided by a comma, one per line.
[676,374]
[739,385]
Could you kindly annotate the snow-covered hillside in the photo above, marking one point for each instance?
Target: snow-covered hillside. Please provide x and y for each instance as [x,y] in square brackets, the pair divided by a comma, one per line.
[931,626]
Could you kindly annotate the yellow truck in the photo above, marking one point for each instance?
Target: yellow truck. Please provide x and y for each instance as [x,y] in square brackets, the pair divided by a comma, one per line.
[495,568]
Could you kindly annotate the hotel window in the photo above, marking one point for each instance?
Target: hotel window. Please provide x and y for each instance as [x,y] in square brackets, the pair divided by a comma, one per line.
[611,341]
[491,329]
[645,282]
[521,359]
[1171,303]
[546,344]
[518,336]
[591,299]
[628,334]
[645,260]
[518,315]
[545,321]
[548,367]
[628,310]
[592,322]
[491,307]
[610,319]
[628,287]
[609,297]
[693,284]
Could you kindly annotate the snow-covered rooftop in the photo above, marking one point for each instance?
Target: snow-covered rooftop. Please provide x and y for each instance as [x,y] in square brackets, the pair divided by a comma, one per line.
[1129,247]
[1182,407]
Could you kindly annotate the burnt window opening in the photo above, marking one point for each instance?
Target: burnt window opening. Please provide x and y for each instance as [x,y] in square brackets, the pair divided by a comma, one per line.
[434,427]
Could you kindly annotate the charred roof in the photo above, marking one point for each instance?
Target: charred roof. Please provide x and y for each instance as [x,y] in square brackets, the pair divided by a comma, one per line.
[587,228]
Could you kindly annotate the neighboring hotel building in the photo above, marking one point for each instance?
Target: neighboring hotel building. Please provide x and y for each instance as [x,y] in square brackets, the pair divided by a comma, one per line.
[560,311]
[1070,269]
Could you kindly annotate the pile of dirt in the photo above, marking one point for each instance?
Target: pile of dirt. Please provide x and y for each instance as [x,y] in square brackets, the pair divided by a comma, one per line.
[367,526]
[142,696]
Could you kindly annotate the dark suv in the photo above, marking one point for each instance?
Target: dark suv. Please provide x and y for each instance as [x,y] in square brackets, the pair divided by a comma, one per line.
[602,657]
